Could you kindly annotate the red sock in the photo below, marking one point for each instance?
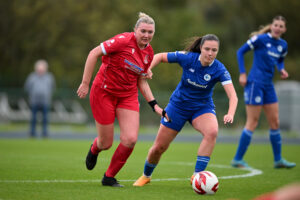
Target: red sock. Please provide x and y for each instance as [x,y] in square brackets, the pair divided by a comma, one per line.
[118,160]
[94,149]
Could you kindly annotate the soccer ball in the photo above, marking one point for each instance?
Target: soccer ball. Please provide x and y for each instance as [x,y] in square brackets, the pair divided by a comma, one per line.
[205,182]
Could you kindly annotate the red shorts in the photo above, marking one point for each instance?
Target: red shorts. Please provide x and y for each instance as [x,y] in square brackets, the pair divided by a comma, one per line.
[104,104]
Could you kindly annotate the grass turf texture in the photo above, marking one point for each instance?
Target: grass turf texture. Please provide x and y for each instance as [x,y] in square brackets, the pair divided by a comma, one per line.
[28,159]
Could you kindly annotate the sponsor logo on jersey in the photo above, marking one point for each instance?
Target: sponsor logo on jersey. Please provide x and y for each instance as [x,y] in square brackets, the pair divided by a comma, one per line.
[192,70]
[276,55]
[133,67]
[132,50]
[279,48]
[268,45]
[207,77]
[195,84]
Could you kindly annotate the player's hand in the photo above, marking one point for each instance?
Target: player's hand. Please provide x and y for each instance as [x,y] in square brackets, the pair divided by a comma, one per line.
[149,74]
[83,90]
[161,112]
[243,79]
[228,119]
[284,74]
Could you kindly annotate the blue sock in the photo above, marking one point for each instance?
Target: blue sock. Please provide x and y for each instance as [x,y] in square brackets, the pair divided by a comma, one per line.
[275,139]
[148,168]
[201,163]
[243,145]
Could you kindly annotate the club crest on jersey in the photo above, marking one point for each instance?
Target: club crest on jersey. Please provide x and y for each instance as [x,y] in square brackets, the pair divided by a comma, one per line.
[146,59]
[132,50]
[268,45]
[207,77]
[279,48]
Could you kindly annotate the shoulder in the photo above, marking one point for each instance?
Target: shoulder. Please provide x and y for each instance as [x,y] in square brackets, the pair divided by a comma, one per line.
[219,64]
[122,38]
[283,42]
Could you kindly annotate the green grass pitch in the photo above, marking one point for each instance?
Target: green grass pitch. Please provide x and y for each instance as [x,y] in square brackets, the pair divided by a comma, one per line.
[55,169]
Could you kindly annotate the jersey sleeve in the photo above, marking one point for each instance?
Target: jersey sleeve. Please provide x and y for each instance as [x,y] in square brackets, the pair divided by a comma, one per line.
[240,57]
[114,44]
[280,63]
[225,77]
[180,57]
[254,42]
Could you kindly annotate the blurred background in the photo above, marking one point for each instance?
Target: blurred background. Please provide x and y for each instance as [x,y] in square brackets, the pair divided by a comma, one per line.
[64,31]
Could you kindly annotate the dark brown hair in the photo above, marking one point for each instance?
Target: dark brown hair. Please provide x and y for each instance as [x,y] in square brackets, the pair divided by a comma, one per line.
[194,44]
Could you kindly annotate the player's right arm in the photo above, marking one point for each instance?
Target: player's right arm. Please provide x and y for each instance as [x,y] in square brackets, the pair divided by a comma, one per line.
[158,58]
[241,63]
[88,71]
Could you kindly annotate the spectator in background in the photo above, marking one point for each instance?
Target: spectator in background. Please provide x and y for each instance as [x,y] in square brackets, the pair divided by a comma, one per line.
[40,85]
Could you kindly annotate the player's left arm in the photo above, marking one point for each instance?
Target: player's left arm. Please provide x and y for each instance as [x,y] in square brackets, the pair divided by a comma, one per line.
[148,95]
[280,66]
[233,101]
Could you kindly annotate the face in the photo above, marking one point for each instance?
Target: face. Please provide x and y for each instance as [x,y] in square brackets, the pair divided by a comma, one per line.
[209,51]
[41,69]
[277,28]
[144,34]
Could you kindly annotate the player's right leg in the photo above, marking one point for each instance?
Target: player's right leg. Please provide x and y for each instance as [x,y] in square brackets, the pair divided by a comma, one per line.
[164,137]
[253,114]
[102,142]
[103,106]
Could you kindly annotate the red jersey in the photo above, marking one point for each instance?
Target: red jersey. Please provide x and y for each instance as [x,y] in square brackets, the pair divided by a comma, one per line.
[122,64]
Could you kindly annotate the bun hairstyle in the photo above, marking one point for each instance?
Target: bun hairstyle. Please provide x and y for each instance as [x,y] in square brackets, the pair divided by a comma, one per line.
[144,18]
[267,28]
[194,44]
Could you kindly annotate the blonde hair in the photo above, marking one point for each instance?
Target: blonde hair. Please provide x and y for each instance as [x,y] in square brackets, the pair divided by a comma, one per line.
[144,18]
[267,28]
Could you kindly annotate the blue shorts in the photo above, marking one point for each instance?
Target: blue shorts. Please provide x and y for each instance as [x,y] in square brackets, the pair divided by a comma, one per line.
[259,94]
[179,116]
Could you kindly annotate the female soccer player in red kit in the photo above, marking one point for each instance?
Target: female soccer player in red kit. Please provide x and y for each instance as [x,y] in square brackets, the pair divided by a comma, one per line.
[114,93]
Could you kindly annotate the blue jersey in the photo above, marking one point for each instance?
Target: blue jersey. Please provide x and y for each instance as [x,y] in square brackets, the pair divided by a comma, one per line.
[197,81]
[268,53]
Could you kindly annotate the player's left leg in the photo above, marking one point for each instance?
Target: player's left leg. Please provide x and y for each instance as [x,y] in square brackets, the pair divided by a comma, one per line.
[271,111]
[207,125]
[129,125]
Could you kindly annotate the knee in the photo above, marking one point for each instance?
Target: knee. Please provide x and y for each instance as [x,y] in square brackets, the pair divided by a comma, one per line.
[211,134]
[252,124]
[129,141]
[104,145]
[275,124]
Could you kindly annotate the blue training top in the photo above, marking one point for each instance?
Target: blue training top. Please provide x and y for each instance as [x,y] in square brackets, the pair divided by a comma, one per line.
[197,81]
[268,52]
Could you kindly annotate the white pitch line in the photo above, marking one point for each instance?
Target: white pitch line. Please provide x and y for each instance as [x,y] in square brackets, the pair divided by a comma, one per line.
[252,172]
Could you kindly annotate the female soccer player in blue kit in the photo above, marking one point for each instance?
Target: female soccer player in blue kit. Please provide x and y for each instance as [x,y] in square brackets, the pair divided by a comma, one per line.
[259,93]
[192,101]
